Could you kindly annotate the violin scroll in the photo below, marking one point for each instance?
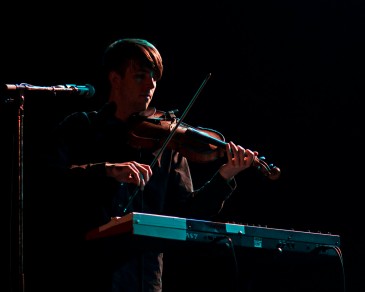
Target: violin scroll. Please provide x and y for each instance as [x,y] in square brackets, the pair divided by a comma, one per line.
[270,171]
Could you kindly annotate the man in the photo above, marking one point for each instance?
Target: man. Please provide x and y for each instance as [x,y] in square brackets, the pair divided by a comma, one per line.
[99,175]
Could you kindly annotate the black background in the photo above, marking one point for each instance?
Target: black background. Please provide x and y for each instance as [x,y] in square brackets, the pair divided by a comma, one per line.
[287,80]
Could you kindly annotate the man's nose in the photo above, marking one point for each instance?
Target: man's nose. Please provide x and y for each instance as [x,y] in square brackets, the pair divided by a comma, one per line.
[151,82]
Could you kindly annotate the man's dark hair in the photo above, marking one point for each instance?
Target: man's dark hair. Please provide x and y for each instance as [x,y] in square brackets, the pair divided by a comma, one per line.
[121,53]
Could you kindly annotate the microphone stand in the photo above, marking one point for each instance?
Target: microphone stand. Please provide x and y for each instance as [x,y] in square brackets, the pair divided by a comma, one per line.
[17,199]
[20,152]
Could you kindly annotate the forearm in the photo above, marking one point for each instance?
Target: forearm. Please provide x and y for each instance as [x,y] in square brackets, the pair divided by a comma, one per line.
[89,169]
[209,200]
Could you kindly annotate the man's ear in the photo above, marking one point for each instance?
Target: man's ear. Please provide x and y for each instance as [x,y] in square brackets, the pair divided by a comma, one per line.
[114,78]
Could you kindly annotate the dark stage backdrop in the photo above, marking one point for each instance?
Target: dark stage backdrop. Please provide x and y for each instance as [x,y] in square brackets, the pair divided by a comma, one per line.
[287,80]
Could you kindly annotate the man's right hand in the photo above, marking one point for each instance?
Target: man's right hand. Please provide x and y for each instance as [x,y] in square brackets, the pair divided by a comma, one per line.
[129,172]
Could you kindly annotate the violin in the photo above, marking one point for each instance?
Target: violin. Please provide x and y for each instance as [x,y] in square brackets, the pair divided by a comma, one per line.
[152,128]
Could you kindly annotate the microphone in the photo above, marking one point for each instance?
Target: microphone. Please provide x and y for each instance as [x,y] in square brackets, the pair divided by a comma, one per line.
[86,90]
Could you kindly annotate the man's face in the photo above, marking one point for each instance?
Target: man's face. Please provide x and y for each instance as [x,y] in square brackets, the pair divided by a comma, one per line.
[137,87]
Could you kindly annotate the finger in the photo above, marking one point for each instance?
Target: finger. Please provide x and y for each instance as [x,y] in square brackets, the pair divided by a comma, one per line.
[241,152]
[144,174]
[145,171]
[249,157]
[134,166]
[229,152]
[234,152]
[133,177]
[133,173]
[238,154]
[254,155]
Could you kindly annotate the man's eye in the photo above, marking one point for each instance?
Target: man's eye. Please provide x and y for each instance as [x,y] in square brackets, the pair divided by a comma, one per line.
[140,76]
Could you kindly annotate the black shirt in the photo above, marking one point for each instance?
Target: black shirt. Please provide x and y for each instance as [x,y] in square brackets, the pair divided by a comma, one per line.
[84,197]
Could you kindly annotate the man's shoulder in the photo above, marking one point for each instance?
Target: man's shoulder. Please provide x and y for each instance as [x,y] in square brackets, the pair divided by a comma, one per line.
[86,119]
[81,117]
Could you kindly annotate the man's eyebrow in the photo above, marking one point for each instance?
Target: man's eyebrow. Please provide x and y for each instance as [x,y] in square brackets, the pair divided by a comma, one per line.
[144,69]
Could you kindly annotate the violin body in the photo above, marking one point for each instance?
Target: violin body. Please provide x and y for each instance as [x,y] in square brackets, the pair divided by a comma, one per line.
[150,131]
[155,129]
